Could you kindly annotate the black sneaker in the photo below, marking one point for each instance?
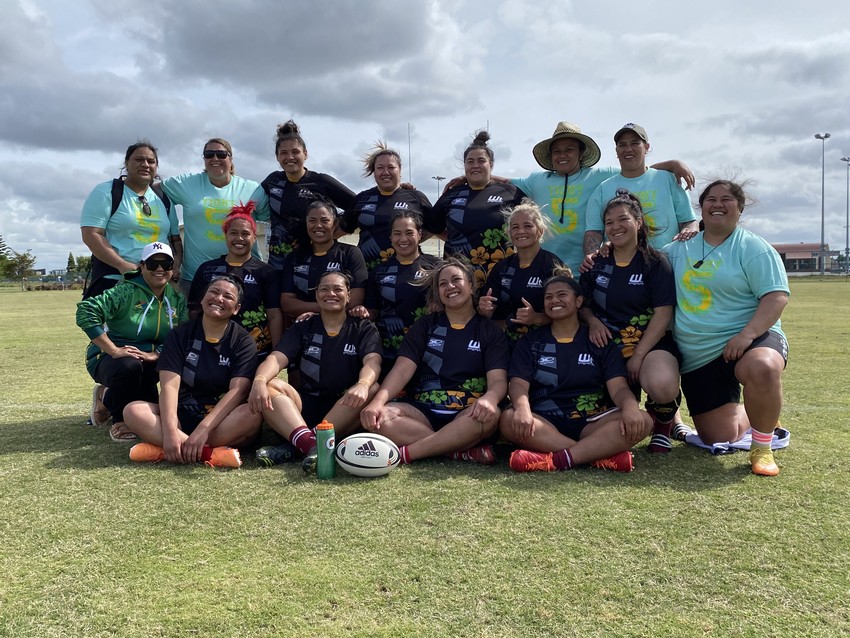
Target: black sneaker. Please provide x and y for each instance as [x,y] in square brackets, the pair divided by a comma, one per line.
[276,454]
[310,461]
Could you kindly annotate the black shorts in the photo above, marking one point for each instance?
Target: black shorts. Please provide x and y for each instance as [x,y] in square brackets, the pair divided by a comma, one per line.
[715,384]
[570,428]
[665,344]
[436,420]
[314,408]
[189,416]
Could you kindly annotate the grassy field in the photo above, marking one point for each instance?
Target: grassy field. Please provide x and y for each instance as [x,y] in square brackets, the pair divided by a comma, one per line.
[687,545]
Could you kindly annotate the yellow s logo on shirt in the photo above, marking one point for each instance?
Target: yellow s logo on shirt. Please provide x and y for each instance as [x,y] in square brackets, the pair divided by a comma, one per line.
[701,295]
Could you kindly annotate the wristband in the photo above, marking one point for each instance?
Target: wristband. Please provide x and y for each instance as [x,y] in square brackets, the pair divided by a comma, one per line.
[260,377]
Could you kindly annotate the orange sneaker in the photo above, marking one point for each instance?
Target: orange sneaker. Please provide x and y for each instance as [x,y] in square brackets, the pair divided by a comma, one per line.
[225,457]
[146,453]
[763,464]
[620,462]
[528,461]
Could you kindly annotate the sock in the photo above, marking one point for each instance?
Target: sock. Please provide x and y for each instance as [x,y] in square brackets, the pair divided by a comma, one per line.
[404,454]
[663,413]
[761,439]
[206,453]
[680,431]
[303,438]
[562,460]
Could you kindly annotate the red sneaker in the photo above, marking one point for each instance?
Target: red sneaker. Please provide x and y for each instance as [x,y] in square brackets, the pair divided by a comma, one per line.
[621,462]
[482,454]
[528,461]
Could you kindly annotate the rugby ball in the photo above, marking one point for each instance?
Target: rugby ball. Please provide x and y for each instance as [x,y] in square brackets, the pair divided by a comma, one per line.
[367,454]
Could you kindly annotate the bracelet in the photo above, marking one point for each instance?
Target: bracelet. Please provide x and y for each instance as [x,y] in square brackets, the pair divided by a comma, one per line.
[260,377]
[362,382]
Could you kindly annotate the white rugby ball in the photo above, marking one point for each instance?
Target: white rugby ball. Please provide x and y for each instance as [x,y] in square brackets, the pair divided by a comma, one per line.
[367,454]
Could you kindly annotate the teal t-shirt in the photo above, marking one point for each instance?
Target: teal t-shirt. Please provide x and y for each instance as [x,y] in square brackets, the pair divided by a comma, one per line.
[665,203]
[129,229]
[204,208]
[715,301]
[566,232]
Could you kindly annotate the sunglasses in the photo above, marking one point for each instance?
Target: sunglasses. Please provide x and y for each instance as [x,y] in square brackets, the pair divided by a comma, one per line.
[155,264]
[146,208]
[217,154]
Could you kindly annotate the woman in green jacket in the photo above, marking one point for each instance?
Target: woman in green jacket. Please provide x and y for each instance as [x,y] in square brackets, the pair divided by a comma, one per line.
[127,326]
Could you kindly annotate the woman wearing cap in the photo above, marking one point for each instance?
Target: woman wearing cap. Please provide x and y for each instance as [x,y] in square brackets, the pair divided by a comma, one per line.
[731,289]
[666,206]
[206,199]
[457,362]
[283,197]
[338,358]
[127,325]
[514,288]
[374,209]
[470,216]
[205,372]
[119,220]
[259,312]
[304,266]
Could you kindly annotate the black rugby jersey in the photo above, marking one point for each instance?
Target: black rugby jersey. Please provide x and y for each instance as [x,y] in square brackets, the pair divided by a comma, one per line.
[302,269]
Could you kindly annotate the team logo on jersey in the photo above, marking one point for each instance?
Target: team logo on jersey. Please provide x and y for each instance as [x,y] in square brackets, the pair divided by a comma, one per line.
[223,361]
[546,361]
[334,265]
[535,282]
[459,201]
[386,280]
[419,274]
[314,350]
[506,282]
[350,349]
[368,208]
[306,193]
[302,269]
[495,199]
[585,360]
[277,192]
[435,343]
[636,280]
[602,280]
[401,206]
[192,358]
[474,346]
[249,279]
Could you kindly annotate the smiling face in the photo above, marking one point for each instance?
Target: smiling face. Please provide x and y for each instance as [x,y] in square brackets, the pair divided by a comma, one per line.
[455,290]
[477,168]
[387,173]
[560,301]
[332,293]
[721,210]
[157,271]
[291,156]
[320,226]
[219,169]
[621,226]
[221,300]
[240,239]
[566,156]
[405,238]
[141,166]
[523,231]
[631,151]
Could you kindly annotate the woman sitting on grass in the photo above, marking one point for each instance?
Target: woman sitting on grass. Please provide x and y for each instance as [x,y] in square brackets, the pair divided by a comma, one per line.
[572,404]
[458,363]
[338,358]
[127,325]
[205,374]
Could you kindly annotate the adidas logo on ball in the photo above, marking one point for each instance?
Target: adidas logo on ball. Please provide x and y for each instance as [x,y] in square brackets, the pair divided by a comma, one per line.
[367,449]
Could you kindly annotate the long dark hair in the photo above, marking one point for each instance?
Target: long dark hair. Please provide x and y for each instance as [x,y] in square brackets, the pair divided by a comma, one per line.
[633,205]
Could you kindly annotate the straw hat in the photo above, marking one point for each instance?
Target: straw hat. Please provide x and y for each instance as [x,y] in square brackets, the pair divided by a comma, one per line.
[543,156]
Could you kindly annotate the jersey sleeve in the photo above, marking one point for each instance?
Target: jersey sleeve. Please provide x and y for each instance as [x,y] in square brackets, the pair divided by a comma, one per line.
[244,353]
[355,264]
[435,221]
[497,352]
[262,212]
[290,343]
[494,283]
[287,280]
[172,355]
[372,299]
[593,214]
[196,290]
[342,196]
[522,362]
[611,361]
[661,283]
[369,340]
[765,272]
[348,219]
[413,345]
[681,203]
[424,204]
[97,209]
[271,291]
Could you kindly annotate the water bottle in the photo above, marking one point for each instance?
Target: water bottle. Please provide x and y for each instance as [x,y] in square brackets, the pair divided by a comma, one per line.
[325,443]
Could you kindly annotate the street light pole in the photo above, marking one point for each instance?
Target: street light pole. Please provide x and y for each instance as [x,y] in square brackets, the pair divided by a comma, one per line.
[439,179]
[823,138]
[847,220]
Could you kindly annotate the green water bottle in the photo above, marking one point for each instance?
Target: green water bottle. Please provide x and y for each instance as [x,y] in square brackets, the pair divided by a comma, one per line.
[325,443]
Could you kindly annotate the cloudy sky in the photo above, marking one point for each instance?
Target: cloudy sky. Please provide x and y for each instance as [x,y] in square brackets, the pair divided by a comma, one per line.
[727,86]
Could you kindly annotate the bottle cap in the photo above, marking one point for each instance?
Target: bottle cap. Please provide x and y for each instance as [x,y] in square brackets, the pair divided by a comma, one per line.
[324,425]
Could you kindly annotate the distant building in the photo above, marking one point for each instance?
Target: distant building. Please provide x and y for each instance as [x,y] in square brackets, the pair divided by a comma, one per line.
[802,257]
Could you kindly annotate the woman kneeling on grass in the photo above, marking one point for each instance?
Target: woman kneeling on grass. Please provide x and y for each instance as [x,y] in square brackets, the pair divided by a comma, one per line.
[205,374]
[459,360]
[339,360]
[564,388]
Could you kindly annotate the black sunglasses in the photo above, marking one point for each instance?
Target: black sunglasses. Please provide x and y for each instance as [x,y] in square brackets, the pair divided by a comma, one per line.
[146,208]
[154,264]
[218,154]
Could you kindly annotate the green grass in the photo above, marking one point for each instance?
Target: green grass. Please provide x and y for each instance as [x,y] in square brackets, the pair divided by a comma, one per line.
[687,545]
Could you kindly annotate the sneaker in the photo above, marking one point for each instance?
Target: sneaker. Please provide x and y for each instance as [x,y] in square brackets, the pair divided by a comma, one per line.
[763,464]
[680,431]
[481,454]
[225,457]
[528,461]
[659,444]
[99,413]
[275,454]
[310,461]
[146,453]
[621,462]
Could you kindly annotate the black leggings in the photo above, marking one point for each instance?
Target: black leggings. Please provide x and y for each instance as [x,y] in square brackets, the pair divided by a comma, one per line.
[128,380]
